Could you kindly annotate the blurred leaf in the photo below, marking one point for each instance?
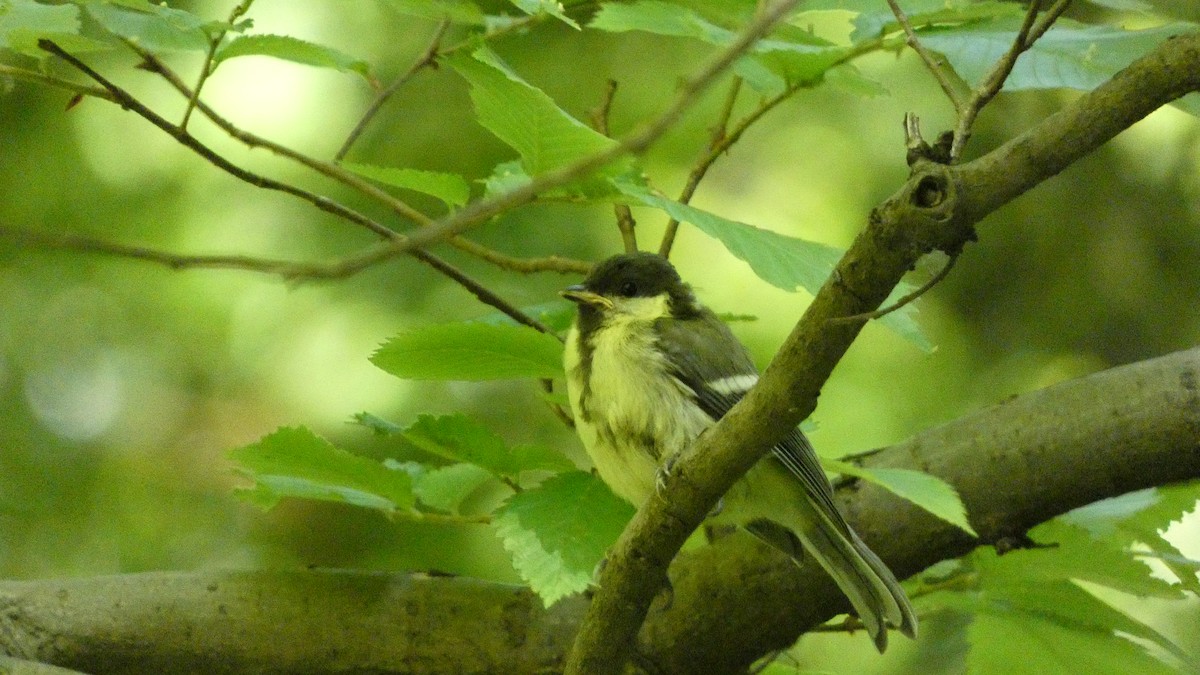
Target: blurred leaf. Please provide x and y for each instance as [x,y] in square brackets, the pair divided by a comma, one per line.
[660,18]
[23,22]
[380,426]
[1077,555]
[451,188]
[556,315]
[1075,629]
[154,27]
[471,351]
[446,487]
[775,62]
[295,462]
[1071,55]
[1140,518]
[462,439]
[874,19]
[524,117]
[926,491]
[1048,644]
[25,41]
[546,7]
[784,262]
[559,531]
[456,11]
[292,49]
[1124,5]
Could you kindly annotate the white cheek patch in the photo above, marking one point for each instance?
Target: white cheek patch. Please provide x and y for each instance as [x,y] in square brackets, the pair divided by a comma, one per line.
[734,384]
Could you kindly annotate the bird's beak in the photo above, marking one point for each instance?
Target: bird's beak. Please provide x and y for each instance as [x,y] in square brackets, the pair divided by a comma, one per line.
[581,296]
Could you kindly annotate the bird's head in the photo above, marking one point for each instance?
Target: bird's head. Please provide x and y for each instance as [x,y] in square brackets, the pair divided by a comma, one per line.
[633,286]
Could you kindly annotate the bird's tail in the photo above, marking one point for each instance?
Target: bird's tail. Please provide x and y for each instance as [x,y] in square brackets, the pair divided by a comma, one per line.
[862,576]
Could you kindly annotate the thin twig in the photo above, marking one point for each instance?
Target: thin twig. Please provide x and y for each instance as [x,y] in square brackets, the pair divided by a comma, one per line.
[552,263]
[126,100]
[995,79]
[719,134]
[288,270]
[884,311]
[206,69]
[634,143]
[931,62]
[34,76]
[362,185]
[483,293]
[426,59]
[625,222]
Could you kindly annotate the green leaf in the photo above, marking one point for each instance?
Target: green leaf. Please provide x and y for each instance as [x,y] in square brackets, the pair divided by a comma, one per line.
[1140,518]
[556,315]
[775,62]
[926,491]
[23,22]
[524,117]
[377,424]
[1071,55]
[559,531]
[1016,599]
[154,27]
[1046,644]
[455,11]
[295,50]
[451,188]
[660,18]
[545,7]
[446,487]
[1078,555]
[462,439]
[471,351]
[784,262]
[295,462]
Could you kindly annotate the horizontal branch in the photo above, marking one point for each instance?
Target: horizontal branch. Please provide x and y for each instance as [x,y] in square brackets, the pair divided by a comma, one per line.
[1015,465]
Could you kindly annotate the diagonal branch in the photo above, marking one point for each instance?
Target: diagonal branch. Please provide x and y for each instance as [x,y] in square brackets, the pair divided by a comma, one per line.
[937,208]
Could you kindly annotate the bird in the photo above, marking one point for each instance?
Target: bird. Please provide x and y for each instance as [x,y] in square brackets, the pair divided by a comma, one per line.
[648,369]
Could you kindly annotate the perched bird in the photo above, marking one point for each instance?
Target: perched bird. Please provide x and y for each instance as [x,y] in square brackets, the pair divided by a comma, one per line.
[649,369]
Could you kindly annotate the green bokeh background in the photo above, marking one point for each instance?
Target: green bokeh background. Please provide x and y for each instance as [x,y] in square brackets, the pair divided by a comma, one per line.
[123,384]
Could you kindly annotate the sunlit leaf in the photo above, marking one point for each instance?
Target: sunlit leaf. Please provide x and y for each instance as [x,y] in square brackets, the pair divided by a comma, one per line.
[451,188]
[153,27]
[295,462]
[473,351]
[23,22]
[446,487]
[462,439]
[524,117]
[292,49]
[547,7]
[926,491]
[559,531]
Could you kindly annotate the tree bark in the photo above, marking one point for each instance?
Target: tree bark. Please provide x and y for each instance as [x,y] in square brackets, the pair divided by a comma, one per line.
[1015,464]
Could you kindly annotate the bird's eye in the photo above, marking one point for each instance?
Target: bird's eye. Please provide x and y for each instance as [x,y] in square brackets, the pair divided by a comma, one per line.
[629,289]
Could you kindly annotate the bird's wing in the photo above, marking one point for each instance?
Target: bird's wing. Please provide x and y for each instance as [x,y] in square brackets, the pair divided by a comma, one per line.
[716,367]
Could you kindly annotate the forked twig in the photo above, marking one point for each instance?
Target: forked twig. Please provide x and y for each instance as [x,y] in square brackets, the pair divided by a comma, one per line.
[427,58]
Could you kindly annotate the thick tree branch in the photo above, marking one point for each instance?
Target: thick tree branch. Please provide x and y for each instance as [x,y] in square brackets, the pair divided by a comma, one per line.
[936,209]
[1133,427]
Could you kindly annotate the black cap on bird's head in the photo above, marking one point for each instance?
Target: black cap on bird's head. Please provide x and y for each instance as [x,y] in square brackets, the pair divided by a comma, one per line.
[630,275]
